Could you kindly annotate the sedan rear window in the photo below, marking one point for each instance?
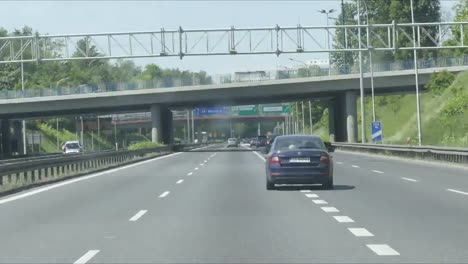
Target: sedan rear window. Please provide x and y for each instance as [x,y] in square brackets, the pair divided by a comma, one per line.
[284,143]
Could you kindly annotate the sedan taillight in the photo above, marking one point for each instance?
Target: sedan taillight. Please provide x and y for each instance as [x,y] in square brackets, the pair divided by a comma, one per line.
[324,160]
[274,160]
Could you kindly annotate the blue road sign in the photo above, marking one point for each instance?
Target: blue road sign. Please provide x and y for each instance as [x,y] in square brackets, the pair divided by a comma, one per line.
[210,111]
[376,131]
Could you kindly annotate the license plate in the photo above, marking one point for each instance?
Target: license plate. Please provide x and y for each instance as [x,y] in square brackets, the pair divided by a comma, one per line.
[299,160]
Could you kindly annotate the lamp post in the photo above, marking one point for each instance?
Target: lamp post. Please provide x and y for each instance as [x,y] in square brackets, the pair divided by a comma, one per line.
[361,77]
[310,117]
[416,75]
[327,13]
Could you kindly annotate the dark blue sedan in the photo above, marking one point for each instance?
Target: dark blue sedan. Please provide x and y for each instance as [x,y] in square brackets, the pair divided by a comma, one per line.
[299,160]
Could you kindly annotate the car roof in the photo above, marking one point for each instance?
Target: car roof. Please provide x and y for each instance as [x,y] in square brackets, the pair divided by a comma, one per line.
[296,136]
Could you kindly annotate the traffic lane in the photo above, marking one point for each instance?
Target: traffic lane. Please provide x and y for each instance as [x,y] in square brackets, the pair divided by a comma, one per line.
[224,214]
[444,176]
[60,224]
[424,223]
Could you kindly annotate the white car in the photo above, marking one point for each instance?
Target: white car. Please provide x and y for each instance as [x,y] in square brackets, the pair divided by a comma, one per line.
[232,142]
[72,147]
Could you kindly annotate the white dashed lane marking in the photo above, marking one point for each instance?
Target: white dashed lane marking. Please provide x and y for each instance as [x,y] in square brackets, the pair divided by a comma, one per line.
[383,250]
[330,209]
[190,173]
[409,179]
[311,195]
[86,257]
[319,202]
[138,215]
[196,168]
[343,219]
[164,194]
[179,181]
[456,191]
[339,162]
[355,166]
[305,191]
[379,172]
[360,232]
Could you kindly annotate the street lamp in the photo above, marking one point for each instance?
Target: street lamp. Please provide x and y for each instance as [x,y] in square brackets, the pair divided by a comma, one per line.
[323,11]
[305,64]
[416,74]
[361,77]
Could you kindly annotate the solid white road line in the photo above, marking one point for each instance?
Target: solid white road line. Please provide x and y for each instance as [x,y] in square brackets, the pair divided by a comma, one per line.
[311,195]
[67,182]
[376,171]
[305,191]
[354,166]
[343,219]
[190,173]
[164,194]
[138,215]
[86,257]
[409,179]
[260,156]
[330,209]
[179,181]
[319,202]
[456,191]
[383,250]
[360,232]
[339,162]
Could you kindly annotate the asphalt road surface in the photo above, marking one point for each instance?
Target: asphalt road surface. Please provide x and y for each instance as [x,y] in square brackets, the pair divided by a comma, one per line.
[212,207]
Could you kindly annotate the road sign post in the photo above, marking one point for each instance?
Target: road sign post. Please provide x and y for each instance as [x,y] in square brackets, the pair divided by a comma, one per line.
[377,131]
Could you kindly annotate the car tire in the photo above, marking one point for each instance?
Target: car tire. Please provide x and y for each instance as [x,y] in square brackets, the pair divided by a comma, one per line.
[328,185]
[269,185]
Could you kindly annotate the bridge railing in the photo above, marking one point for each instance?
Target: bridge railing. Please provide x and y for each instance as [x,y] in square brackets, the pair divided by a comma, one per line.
[445,154]
[256,76]
[27,172]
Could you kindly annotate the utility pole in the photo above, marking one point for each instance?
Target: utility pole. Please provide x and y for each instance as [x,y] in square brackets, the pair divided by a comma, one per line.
[416,75]
[23,125]
[343,18]
[361,77]
[310,118]
[303,116]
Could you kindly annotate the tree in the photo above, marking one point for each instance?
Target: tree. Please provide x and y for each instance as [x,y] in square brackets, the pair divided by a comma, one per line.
[384,12]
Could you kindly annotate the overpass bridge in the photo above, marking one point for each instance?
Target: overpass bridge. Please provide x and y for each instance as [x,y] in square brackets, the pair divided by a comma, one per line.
[340,90]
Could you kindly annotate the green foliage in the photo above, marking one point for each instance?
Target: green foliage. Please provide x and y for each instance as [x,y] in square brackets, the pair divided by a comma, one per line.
[440,81]
[384,12]
[455,107]
[144,145]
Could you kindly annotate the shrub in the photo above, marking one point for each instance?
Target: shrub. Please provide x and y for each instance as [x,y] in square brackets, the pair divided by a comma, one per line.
[440,81]
[144,145]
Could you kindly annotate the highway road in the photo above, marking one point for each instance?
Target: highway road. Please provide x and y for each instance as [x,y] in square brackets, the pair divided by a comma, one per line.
[212,207]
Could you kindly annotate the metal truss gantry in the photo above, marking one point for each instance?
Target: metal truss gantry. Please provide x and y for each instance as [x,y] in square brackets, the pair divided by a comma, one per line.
[230,41]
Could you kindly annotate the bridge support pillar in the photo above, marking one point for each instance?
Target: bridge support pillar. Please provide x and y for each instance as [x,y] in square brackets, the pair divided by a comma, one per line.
[6,138]
[161,125]
[343,118]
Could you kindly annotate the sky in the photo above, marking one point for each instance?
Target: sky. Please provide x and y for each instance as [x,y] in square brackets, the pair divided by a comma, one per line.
[66,17]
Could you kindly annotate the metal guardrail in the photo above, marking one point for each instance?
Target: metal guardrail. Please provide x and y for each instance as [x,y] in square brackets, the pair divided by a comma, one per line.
[447,154]
[23,173]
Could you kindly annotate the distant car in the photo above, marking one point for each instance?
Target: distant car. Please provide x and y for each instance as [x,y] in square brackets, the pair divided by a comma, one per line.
[261,141]
[299,160]
[253,142]
[232,142]
[72,147]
